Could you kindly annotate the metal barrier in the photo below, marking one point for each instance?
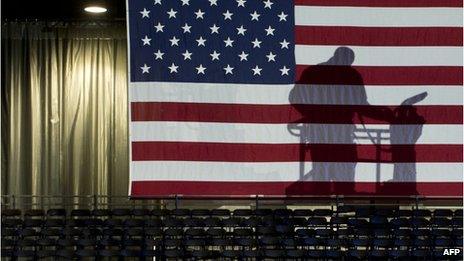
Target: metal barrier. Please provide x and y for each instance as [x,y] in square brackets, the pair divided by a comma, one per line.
[174,202]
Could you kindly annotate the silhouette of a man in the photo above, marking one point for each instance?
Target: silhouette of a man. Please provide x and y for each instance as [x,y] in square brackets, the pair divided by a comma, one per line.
[332,84]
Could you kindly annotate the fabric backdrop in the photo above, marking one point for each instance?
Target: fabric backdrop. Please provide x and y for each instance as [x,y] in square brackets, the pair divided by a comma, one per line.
[64,109]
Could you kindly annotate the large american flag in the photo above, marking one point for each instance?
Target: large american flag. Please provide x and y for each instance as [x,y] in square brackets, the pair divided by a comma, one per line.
[295,98]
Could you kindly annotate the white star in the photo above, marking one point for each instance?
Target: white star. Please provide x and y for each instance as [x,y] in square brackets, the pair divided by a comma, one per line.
[269,31]
[185,2]
[186,28]
[200,69]
[284,70]
[199,14]
[228,42]
[157,2]
[187,55]
[241,3]
[228,69]
[159,55]
[146,40]
[172,13]
[241,30]
[214,56]
[256,43]
[271,57]
[254,16]
[268,3]
[284,44]
[159,27]
[201,41]
[243,56]
[173,68]
[282,17]
[227,15]
[256,70]
[145,13]
[174,41]
[145,69]
[214,29]
[213,2]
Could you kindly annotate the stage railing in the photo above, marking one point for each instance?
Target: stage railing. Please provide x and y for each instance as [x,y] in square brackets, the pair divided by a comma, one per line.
[105,201]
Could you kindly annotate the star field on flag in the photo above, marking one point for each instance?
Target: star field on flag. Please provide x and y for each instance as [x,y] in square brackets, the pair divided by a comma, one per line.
[212,41]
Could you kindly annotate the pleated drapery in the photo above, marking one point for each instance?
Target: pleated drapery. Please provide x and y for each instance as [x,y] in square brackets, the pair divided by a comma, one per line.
[64,109]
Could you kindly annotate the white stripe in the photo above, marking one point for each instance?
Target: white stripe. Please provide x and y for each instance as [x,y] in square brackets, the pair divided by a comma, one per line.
[280,134]
[384,56]
[381,17]
[279,94]
[283,171]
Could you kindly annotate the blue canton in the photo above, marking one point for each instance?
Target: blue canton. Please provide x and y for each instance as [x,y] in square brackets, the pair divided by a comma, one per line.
[217,41]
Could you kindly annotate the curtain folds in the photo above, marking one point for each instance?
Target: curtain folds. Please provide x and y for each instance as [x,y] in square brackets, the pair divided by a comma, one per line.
[64,109]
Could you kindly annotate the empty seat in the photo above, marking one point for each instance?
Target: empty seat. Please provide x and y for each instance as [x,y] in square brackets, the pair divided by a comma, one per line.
[11,213]
[200,212]
[220,212]
[421,213]
[274,253]
[44,253]
[33,222]
[83,253]
[153,223]
[363,212]
[54,223]
[296,253]
[322,212]
[442,213]
[66,253]
[317,221]
[34,213]
[302,212]
[108,253]
[398,254]
[134,222]
[80,213]
[284,212]
[243,212]
[345,209]
[233,254]
[122,212]
[194,222]
[174,253]
[262,212]
[180,212]
[141,212]
[357,254]
[160,212]
[101,213]
[130,253]
[11,222]
[385,211]
[57,212]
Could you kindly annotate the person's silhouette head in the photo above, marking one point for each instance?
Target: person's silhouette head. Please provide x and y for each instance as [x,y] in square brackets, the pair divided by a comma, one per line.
[342,56]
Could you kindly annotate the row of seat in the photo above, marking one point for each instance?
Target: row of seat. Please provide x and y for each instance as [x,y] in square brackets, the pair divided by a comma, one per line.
[375,221]
[290,254]
[355,211]
[353,232]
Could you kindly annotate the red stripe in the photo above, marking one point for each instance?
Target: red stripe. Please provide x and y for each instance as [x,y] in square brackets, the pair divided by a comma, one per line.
[378,75]
[248,152]
[378,36]
[382,3]
[249,113]
[206,188]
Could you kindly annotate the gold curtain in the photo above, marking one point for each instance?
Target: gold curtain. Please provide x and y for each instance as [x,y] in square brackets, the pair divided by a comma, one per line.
[64,109]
